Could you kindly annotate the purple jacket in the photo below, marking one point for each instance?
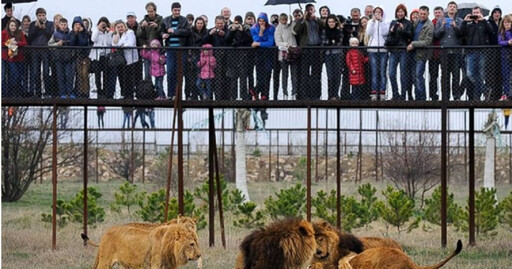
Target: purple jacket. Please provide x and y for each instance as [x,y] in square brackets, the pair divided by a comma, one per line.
[157,60]
[506,52]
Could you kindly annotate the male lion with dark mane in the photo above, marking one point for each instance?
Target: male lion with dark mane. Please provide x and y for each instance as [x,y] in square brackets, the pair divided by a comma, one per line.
[284,244]
[333,245]
[166,246]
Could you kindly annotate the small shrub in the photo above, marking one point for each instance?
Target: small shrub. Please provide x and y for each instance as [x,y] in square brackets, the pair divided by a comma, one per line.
[61,217]
[506,210]
[325,206]
[487,213]
[289,203]
[202,193]
[249,217]
[300,171]
[126,197]
[398,210]
[256,153]
[432,209]
[369,212]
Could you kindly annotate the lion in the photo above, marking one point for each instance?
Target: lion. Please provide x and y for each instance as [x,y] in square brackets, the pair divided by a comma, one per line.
[284,244]
[167,246]
[333,245]
[392,258]
[187,221]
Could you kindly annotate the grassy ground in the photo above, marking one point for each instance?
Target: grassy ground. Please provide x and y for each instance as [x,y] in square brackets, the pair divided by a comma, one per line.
[26,241]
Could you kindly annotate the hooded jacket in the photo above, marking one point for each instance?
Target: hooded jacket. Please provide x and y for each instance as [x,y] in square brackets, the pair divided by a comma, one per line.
[207,63]
[100,39]
[494,39]
[61,55]
[80,39]
[267,39]
[355,63]
[156,58]
[283,37]
[377,32]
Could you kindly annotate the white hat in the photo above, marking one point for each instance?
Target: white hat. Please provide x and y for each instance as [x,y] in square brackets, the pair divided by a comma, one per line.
[131,13]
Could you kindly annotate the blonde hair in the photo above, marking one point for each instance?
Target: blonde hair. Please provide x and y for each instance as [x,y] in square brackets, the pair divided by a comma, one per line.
[353,39]
[502,30]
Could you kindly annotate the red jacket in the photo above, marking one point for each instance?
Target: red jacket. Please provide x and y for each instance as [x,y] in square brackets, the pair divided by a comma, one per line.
[21,43]
[355,63]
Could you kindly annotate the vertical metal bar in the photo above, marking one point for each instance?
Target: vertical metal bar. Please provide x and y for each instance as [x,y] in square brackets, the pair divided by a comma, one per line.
[269,154]
[188,155]
[132,158]
[316,147]
[219,195]
[211,192]
[377,145]
[54,178]
[360,154]
[97,159]
[86,145]
[288,143]
[444,159]
[510,159]
[338,170]
[326,143]
[233,153]
[465,148]
[181,202]
[472,241]
[223,144]
[143,154]
[308,178]
[277,163]
[169,166]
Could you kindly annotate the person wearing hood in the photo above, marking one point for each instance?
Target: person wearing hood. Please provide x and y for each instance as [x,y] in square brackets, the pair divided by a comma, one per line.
[64,60]
[79,37]
[263,39]
[377,31]
[157,60]
[238,36]
[147,31]
[493,76]
[401,27]
[423,36]
[104,77]
[206,64]
[308,30]
[324,13]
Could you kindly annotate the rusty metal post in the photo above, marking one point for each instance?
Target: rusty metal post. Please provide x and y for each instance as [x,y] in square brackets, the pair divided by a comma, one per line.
[233,153]
[219,193]
[188,155]
[97,159]
[86,145]
[510,159]
[181,202]
[444,159]
[316,147]
[326,144]
[143,154]
[54,178]
[269,154]
[277,163]
[359,169]
[211,191]
[132,158]
[376,145]
[338,170]
[472,240]
[308,178]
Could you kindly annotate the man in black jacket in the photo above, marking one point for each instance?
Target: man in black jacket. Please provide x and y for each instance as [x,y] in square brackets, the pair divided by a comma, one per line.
[39,33]
[477,32]
[175,31]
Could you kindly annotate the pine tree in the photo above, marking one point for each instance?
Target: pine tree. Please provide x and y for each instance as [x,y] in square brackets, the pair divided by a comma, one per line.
[399,208]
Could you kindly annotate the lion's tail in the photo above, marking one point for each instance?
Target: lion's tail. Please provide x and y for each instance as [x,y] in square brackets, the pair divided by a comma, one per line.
[88,241]
[443,262]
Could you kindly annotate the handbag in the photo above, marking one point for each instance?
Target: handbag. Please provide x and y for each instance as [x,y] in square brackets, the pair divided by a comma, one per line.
[292,55]
[392,38]
[116,58]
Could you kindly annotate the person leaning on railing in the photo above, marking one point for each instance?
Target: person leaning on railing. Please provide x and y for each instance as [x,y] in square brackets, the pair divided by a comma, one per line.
[39,33]
[64,59]
[79,37]
[377,30]
[104,77]
[505,41]
[332,36]
[124,37]
[13,59]
[238,36]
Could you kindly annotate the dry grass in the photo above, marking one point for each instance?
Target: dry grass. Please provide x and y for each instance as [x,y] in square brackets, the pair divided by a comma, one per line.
[26,241]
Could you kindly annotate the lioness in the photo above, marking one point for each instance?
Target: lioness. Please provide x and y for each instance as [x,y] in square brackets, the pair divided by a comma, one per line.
[392,258]
[333,245]
[168,246]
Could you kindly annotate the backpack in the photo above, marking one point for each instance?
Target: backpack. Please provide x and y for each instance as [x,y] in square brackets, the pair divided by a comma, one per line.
[145,90]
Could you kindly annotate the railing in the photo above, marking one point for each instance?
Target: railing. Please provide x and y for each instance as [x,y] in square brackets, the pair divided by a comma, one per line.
[472,74]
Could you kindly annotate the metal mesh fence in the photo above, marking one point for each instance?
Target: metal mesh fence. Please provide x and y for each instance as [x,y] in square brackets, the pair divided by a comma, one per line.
[315,73]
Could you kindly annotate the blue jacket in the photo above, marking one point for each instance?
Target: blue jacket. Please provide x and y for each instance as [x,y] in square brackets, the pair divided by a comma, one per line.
[80,39]
[267,39]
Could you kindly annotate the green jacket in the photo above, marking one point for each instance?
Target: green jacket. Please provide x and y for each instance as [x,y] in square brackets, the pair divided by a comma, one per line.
[301,29]
[424,40]
[146,34]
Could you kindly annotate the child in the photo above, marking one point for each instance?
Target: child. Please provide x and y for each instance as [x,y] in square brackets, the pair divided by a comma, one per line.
[207,64]
[355,63]
[100,113]
[158,61]
[505,41]
[64,60]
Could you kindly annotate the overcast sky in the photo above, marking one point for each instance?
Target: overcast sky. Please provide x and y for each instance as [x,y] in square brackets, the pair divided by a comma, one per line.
[117,9]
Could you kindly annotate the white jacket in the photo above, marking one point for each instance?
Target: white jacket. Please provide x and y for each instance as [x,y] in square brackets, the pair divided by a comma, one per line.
[128,40]
[377,32]
[100,39]
[283,37]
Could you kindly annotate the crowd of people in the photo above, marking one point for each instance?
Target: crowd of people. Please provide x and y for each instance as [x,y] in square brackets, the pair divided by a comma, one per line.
[241,58]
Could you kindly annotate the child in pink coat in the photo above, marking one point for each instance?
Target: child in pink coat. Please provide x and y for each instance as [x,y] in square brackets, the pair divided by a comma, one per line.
[157,60]
[207,64]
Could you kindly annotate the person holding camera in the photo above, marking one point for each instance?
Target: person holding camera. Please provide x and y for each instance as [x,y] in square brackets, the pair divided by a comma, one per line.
[478,33]
[217,38]
[104,77]
[238,35]
[308,30]
[147,31]
[39,33]
[377,30]
[79,37]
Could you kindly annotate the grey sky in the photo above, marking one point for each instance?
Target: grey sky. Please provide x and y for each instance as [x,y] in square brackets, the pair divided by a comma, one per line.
[117,9]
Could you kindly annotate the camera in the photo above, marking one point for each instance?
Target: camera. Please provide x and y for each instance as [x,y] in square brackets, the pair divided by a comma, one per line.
[217,30]
[473,17]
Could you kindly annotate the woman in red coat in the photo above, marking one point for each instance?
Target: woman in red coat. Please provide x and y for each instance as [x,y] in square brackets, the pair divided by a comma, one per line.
[13,60]
[355,63]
